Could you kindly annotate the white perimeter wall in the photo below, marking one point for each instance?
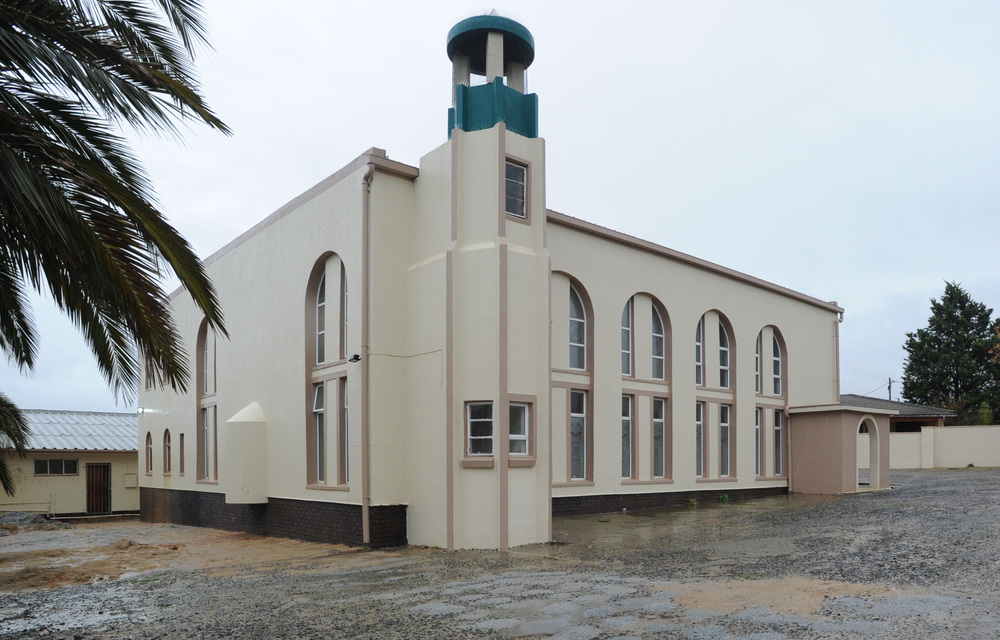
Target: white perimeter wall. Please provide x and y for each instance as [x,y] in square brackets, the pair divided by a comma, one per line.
[942,447]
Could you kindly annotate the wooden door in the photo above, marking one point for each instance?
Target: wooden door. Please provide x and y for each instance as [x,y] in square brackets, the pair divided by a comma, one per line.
[98,488]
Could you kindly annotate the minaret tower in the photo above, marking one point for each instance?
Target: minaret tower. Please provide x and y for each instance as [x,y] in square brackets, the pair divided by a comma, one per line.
[483,212]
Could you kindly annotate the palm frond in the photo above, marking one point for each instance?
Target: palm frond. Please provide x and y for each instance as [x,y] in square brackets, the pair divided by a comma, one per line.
[78,213]
[13,436]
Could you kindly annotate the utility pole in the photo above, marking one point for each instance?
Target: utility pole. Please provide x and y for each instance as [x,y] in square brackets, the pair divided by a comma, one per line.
[890,389]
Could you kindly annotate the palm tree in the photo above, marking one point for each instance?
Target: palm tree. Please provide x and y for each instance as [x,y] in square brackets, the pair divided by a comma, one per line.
[78,215]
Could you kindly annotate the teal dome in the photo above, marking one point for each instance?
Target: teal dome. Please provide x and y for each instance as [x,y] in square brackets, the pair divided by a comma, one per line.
[468,37]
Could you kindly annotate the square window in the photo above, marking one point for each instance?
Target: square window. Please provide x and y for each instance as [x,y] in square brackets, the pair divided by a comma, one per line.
[516,189]
[519,414]
[41,467]
[479,420]
[70,467]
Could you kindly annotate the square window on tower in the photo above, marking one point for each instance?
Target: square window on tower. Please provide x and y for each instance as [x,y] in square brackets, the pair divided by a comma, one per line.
[516,190]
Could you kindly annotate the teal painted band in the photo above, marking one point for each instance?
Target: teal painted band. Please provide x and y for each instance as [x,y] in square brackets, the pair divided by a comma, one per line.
[482,107]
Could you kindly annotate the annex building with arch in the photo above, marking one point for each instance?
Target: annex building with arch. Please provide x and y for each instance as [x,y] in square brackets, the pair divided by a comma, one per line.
[428,354]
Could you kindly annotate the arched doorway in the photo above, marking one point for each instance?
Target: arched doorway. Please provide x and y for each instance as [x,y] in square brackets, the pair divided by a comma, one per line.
[870,480]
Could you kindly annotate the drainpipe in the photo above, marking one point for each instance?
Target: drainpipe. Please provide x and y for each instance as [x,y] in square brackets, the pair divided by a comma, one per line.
[366,183]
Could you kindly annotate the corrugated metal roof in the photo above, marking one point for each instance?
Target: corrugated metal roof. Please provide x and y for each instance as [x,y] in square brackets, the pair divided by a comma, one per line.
[905,409]
[82,430]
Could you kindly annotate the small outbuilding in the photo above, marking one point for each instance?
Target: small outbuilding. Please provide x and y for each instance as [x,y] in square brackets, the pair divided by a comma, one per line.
[78,463]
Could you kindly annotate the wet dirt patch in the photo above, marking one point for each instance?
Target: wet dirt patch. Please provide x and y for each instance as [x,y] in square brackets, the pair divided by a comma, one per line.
[792,595]
[52,568]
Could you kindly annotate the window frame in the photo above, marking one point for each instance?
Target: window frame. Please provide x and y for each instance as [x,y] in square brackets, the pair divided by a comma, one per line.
[521,215]
[63,463]
[579,442]
[149,453]
[758,432]
[319,432]
[628,437]
[756,363]
[777,365]
[725,441]
[627,333]
[343,434]
[320,319]
[724,357]
[778,428]
[699,353]
[326,348]
[699,439]
[166,452]
[661,459]
[469,438]
[206,433]
[583,328]
[525,436]
[661,357]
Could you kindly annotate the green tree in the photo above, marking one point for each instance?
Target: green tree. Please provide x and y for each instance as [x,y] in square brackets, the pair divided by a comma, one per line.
[949,363]
[78,216]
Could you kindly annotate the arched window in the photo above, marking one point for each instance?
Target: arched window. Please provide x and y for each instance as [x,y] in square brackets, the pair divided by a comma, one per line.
[149,453]
[776,365]
[327,367]
[321,320]
[206,435]
[627,339]
[776,385]
[659,359]
[699,352]
[577,331]
[723,357]
[166,452]
[756,365]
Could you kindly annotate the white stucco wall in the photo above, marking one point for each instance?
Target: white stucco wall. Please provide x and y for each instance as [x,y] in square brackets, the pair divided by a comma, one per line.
[261,280]
[610,273]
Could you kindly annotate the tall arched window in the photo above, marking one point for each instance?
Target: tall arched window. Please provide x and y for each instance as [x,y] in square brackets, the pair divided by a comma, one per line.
[756,365]
[717,418]
[149,453]
[658,337]
[321,321]
[166,452]
[577,331]
[206,434]
[774,383]
[723,357]
[776,365]
[772,401]
[627,339]
[699,352]
[327,368]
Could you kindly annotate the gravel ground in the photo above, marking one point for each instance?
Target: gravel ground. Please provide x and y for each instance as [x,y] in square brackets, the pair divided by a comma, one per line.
[917,561]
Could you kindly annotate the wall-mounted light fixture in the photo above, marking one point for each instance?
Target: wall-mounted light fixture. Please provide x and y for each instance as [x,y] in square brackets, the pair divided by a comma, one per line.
[355,358]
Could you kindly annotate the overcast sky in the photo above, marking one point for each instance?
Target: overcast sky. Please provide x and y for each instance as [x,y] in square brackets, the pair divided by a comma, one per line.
[847,150]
